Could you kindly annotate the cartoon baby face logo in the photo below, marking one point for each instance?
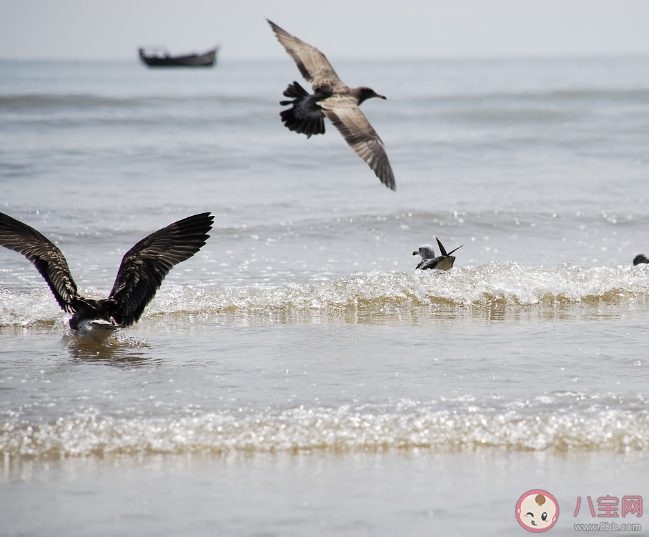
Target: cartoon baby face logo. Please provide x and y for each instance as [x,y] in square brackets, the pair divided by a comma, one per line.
[537,511]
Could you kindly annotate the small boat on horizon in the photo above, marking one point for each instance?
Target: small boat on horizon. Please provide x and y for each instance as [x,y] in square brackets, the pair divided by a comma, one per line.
[160,57]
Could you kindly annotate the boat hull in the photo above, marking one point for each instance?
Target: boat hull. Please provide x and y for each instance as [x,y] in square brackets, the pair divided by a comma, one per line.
[208,59]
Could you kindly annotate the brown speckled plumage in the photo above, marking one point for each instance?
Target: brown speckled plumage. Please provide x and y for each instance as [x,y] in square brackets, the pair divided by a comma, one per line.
[334,100]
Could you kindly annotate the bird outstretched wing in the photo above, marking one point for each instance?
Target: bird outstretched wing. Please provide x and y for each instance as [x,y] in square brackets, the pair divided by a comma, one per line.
[312,63]
[145,266]
[361,136]
[45,256]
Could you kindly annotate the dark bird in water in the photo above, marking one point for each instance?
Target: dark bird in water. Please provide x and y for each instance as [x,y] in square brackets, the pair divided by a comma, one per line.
[429,261]
[139,276]
[640,258]
[331,98]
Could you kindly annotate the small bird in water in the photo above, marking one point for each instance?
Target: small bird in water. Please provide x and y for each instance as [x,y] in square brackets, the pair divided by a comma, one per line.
[333,99]
[640,258]
[139,276]
[429,261]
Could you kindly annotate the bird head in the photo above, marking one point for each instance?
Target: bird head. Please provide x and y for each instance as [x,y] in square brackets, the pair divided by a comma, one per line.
[367,93]
[426,251]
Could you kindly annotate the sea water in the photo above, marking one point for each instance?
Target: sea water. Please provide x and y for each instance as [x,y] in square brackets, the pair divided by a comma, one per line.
[297,376]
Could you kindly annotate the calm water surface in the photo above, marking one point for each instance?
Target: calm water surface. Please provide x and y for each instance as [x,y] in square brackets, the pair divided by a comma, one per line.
[297,377]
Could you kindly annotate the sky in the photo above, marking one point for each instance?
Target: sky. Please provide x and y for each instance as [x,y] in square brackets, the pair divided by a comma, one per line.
[113,29]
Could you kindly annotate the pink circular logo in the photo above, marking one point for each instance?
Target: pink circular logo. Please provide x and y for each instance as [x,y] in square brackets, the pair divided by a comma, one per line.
[537,511]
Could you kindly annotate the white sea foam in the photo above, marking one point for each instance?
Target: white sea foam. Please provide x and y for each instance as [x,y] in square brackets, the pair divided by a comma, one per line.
[508,285]
[568,421]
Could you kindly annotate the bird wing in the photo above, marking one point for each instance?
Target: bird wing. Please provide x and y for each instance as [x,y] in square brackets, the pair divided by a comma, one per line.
[359,134]
[146,264]
[426,264]
[312,63]
[45,256]
[441,247]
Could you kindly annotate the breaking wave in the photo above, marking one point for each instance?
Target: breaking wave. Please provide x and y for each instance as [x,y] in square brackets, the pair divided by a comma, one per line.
[510,287]
[556,423]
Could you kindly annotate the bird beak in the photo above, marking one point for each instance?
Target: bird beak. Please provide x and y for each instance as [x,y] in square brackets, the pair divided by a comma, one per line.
[415,252]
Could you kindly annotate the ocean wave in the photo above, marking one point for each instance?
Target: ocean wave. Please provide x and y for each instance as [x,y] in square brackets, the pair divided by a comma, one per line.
[558,423]
[508,286]
[52,101]
[33,102]
[639,95]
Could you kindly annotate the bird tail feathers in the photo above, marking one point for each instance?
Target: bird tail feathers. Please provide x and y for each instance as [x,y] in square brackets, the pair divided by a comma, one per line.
[303,117]
[295,91]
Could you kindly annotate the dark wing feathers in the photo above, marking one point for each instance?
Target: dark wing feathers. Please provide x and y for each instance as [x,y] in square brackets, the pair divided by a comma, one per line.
[146,264]
[45,256]
[426,264]
[441,247]
[362,138]
[312,63]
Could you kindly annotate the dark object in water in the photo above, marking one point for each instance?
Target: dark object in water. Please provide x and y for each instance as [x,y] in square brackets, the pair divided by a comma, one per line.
[640,258]
[160,57]
[429,261]
[139,276]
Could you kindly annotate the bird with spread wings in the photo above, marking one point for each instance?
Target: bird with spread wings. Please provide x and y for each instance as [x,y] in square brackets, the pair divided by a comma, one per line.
[140,274]
[334,100]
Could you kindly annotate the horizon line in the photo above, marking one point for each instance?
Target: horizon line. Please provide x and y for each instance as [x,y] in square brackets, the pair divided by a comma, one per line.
[585,55]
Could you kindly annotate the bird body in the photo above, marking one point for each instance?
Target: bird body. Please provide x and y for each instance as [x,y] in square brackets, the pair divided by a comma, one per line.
[96,330]
[140,274]
[334,100]
[429,261]
[640,259]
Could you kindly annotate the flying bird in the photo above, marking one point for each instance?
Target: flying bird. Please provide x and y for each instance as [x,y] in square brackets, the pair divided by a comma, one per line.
[139,276]
[429,261]
[640,258]
[333,99]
